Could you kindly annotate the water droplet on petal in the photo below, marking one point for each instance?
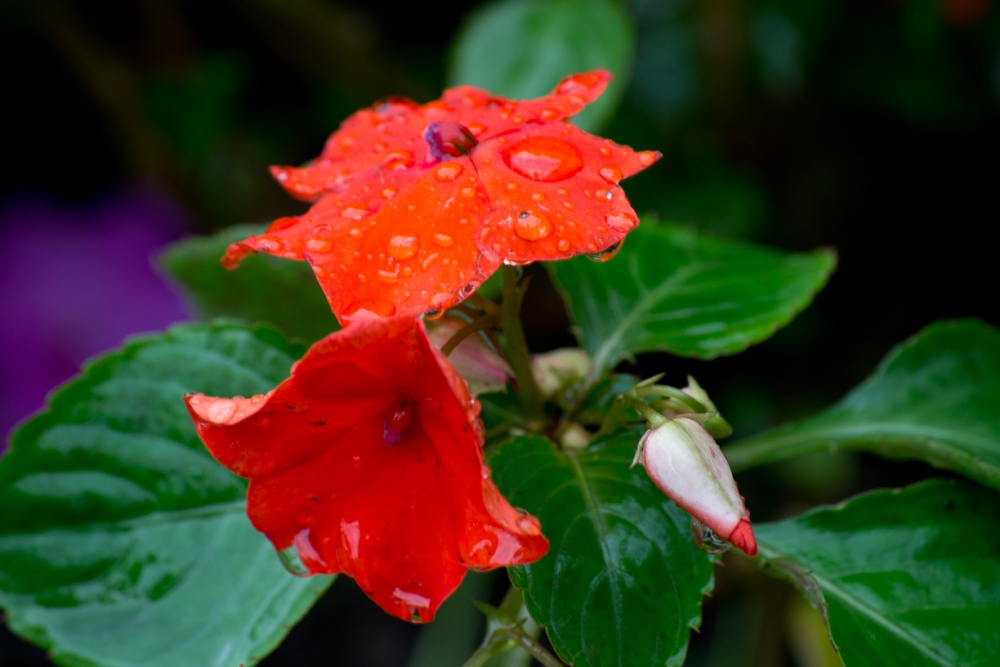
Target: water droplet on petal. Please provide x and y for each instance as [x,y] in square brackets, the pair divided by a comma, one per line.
[477,129]
[532,226]
[568,205]
[563,245]
[449,138]
[468,193]
[606,254]
[549,114]
[389,192]
[447,172]
[611,173]
[388,277]
[538,196]
[356,211]
[356,461]
[221,410]
[319,244]
[403,247]
[544,159]
[579,83]
[621,221]
[646,158]
[269,244]
[374,307]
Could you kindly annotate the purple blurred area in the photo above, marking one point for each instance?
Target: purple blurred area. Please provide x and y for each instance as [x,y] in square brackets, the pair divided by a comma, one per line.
[74,281]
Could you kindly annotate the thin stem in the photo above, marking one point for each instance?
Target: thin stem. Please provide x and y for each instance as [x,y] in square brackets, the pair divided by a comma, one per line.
[652,416]
[466,331]
[483,304]
[536,650]
[672,392]
[517,347]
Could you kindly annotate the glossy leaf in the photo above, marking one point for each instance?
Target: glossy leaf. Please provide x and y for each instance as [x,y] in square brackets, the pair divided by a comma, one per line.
[263,289]
[623,581]
[935,398]
[521,48]
[910,577]
[672,290]
[122,542]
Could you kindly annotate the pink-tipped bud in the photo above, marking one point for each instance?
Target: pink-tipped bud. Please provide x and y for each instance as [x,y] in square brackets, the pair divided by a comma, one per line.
[685,462]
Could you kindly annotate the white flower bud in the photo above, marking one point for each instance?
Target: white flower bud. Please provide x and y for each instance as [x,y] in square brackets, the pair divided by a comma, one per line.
[685,462]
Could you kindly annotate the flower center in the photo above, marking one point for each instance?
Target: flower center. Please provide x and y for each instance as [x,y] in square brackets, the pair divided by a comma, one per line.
[449,138]
[399,420]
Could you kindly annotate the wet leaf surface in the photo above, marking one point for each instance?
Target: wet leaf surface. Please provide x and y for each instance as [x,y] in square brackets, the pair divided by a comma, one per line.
[122,542]
[623,581]
[910,576]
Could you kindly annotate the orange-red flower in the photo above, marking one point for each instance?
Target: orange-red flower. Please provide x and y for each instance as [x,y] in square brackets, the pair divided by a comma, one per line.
[368,461]
[417,205]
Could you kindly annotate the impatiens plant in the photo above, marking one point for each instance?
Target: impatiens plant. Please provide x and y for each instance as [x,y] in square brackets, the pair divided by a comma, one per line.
[185,499]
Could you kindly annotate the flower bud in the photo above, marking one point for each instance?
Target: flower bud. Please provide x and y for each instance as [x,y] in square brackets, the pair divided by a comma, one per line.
[685,462]
[554,370]
[481,367]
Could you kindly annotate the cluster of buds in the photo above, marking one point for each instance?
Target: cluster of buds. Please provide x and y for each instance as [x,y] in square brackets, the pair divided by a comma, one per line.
[682,458]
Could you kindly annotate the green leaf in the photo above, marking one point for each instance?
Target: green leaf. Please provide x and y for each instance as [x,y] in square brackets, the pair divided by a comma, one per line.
[910,577]
[263,288]
[522,48]
[672,290]
[935,398]
[623,581]
[122,542]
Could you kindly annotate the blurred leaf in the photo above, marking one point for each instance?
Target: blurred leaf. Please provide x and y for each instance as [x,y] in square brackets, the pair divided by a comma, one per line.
[676,291]
[268,289]
[623,581]
[720,201]
[935,398]
[522,48]
[910,576]
[122,542]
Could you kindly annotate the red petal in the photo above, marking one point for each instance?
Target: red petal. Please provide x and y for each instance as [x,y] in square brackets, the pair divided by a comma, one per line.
[403,519]
[743,539]
[555,194]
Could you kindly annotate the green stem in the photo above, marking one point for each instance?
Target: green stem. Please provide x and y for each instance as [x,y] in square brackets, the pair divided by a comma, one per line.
[672,392]
[466,331]
[517,347]
[649,414]
[537,651]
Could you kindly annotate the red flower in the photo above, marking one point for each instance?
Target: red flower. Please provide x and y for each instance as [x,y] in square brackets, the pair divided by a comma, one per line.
[368,461]
[417,205]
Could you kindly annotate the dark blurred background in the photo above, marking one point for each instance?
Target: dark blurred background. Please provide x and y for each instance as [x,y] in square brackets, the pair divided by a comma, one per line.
[866,125]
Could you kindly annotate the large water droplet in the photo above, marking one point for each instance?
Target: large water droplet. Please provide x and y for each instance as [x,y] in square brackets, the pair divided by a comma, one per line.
[397,160]
[292,562]
[449,138]
[544,159]
[447,172]
[563,245]
[319,244]
[387,277]
[403,247]
[606,254]
[647,158]
[707,540]
[611,173]
[356,210]
[532,226]
[621,221]
[443,240]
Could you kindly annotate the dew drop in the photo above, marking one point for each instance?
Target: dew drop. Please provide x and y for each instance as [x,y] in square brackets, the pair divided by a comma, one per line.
[532,226]
[606,254]
[388,277]
[621,221]
[449,138]
[611,173]
[269,244]
[356,461]
[568,205]
[579,83]
[647,158]
[549,114]
[403,247]
[407,271]
[448,172]
[389,192]
[319,244]
[374,307]
[282,223]
[356,211]
[430,259]
[538,196]
[397,160]
[563,245]
[605,151]
[356,232]
[543,159]
[468,193]
[477,129]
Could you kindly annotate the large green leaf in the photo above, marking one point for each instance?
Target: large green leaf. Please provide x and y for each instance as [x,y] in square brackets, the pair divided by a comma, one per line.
[673,290]
[935,398]
[911,577]
[263,288]
[522,48]
[122,542]
[623,581]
